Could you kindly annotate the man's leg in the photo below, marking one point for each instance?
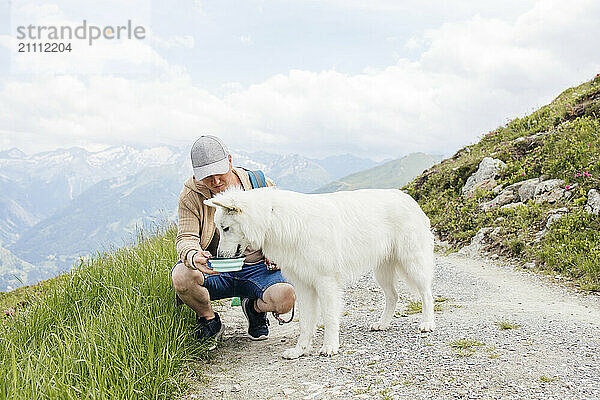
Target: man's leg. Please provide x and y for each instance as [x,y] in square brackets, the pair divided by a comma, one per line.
[188,286]
[263,291]
[279,298]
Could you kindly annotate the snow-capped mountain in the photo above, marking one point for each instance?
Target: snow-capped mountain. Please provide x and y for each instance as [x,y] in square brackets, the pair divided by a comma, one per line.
[60,205]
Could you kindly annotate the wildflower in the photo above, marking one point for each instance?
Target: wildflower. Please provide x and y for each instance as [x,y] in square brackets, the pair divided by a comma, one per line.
[567,187]
[522,173]
[10,312]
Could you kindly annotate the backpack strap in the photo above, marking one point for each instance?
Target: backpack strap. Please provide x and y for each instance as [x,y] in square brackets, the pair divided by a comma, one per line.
[257,179]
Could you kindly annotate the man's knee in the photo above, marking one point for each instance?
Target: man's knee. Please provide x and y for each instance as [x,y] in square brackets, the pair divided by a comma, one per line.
[282,296]
[184,279]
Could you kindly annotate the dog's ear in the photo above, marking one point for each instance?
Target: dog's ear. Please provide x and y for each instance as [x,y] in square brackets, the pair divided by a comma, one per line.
[230,208]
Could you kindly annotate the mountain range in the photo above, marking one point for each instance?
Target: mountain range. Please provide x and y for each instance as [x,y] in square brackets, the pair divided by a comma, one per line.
[390,174]
[59,206]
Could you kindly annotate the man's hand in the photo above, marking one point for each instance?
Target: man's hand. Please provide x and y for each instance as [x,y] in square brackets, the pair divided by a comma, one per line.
[200,258]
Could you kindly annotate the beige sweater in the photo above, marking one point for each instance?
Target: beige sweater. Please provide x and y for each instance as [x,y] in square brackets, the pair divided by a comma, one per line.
[195,225]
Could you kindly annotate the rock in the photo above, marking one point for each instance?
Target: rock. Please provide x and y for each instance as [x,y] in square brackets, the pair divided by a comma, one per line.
[288,391]
[478,241]
[562,210]
[593,202]
[497,189]
[483,178]
[549,191]
[516,193]
[529,265]
[539,235]
[236,387]
[512,205]
[555,215]
[552,219]
[507,196]
[527,189]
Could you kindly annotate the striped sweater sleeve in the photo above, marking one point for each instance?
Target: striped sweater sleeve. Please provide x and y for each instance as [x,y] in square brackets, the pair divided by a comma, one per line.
[188,231]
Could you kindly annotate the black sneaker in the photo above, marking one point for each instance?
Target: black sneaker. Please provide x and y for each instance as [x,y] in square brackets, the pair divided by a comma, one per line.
[209,332]
[258,324]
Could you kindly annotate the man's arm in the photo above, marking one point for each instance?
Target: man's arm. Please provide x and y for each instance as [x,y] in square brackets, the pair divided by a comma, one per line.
[187,242]
[188,232]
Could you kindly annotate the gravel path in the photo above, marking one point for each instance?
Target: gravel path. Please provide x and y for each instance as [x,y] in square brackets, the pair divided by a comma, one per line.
[551,353]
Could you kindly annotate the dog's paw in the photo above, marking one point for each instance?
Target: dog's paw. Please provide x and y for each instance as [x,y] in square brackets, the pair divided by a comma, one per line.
[294,353]
[379,326]
[427,326]
[329,349]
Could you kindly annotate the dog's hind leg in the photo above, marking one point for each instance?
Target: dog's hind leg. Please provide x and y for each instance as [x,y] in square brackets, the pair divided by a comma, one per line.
[419,276]
[306,297]
[385,275]
[330,299]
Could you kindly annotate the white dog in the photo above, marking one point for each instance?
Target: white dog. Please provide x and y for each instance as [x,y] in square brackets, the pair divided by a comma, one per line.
[322,240]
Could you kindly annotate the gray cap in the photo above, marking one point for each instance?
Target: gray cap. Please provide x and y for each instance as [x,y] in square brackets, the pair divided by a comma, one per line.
[209,157]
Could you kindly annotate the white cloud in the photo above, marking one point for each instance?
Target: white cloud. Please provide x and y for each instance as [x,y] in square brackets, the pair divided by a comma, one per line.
[185,42]
[471,76]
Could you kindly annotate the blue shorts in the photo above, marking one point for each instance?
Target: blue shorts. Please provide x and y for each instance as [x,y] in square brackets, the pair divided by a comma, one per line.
[251,282]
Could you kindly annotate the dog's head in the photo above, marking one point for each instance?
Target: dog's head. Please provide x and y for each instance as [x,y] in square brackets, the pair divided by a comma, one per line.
[241,218]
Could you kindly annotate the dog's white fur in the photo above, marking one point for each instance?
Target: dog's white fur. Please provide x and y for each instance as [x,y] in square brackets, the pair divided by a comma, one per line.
[321,240]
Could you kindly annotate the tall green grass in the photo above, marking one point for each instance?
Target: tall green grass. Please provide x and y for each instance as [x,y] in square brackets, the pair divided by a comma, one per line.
[108,330]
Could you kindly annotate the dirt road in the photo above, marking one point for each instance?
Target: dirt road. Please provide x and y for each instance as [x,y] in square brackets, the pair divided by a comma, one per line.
[549,349]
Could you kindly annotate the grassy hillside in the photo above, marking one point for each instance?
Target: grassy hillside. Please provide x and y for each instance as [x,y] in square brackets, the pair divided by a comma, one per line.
[391,174]
[560,140]
[107,330]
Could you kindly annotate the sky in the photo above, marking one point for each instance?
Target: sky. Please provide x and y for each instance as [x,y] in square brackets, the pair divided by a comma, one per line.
[378,79]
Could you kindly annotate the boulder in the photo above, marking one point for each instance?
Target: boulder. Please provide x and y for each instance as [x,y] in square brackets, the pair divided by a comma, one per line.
[484,177]
[527,189]
[516,193]
[593,202]
[478,242]
[555,215]
[507,196]
[498,189]
[550,191]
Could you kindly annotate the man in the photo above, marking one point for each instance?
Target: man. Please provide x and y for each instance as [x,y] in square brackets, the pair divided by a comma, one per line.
[263,289]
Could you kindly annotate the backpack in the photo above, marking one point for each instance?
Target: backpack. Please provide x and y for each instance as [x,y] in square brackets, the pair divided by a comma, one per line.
[257,178]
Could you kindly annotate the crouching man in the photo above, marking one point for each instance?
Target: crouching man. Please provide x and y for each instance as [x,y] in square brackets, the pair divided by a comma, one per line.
[262,289]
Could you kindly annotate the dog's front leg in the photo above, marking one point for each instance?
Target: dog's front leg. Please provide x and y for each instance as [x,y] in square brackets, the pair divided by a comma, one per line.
[307,304]
[330,298]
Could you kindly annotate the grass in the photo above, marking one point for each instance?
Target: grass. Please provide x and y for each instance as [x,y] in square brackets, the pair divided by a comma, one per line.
[569,149]
[415,307]
[107,330]
[506,325]
[546,379]
[464,347]
[463,344]
[19,298]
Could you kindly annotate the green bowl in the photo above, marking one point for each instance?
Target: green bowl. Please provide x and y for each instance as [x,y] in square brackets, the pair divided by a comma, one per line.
[222,264]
